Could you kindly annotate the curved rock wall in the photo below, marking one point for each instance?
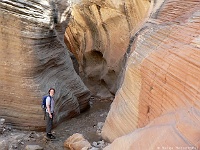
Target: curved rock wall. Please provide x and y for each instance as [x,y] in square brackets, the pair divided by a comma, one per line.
[158,104]
[33,59]
[98,35]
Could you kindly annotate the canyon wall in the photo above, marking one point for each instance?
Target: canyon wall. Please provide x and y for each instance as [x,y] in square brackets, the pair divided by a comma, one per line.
[33,59]
[98,35]
[158,104]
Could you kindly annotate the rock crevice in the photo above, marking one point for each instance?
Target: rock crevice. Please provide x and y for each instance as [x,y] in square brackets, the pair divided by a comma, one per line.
[95,26]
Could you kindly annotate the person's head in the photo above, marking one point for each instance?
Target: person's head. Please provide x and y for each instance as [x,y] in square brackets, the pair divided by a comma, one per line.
[51,91]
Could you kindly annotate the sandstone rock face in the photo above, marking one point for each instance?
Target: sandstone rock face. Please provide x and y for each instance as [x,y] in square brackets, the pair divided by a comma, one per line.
[98,35]
[33,59]
[158,104]
[170,131]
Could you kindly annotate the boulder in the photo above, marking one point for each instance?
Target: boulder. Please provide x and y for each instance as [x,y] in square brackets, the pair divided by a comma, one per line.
[77,142]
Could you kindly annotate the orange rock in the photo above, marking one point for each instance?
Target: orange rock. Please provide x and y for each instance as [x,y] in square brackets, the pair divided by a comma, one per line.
[158,104]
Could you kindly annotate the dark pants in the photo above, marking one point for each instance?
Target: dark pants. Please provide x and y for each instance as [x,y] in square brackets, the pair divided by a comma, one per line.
[49,124]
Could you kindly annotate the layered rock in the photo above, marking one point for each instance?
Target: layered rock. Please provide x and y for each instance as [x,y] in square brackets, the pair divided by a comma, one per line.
[33,59]
[98,35]
[165,132]
[158,104]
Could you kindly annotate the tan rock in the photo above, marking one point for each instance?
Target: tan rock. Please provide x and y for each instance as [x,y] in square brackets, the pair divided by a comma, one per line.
[158,103]
[98,35]
[77,142]
[33,59]
[33,147]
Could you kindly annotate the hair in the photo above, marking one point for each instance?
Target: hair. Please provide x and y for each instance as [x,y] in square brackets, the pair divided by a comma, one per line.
[51,89]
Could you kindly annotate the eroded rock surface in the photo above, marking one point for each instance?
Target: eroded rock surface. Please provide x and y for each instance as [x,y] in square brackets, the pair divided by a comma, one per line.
[33,59]
[98,35]
[158,104]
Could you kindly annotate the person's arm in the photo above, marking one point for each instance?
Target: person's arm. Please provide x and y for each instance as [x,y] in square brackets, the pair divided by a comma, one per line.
[48,106]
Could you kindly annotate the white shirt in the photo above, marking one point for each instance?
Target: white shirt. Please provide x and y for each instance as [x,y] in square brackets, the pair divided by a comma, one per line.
[48,100]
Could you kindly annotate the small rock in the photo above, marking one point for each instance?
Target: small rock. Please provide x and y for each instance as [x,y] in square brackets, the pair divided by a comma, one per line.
[33,147]
[95,144]
[9,128]
[100,125]
[101,144]
[101,115]
[94,148]
[31,135]
[2,120]
[19,141]
[14,146]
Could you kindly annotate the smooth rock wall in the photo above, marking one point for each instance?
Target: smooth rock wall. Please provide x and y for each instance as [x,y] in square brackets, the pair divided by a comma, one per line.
[33,59]
[158,104]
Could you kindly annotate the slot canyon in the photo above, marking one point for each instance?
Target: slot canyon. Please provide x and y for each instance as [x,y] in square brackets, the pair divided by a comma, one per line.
[142,57]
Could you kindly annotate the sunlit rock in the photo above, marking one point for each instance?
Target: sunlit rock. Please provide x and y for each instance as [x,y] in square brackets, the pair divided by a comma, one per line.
[77,142]
[158,103]
[98,35]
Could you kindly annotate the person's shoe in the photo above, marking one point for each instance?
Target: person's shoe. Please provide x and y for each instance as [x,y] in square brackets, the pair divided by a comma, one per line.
[50,136]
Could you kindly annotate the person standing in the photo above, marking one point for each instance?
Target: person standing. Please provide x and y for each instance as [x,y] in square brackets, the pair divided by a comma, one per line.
[50,104]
